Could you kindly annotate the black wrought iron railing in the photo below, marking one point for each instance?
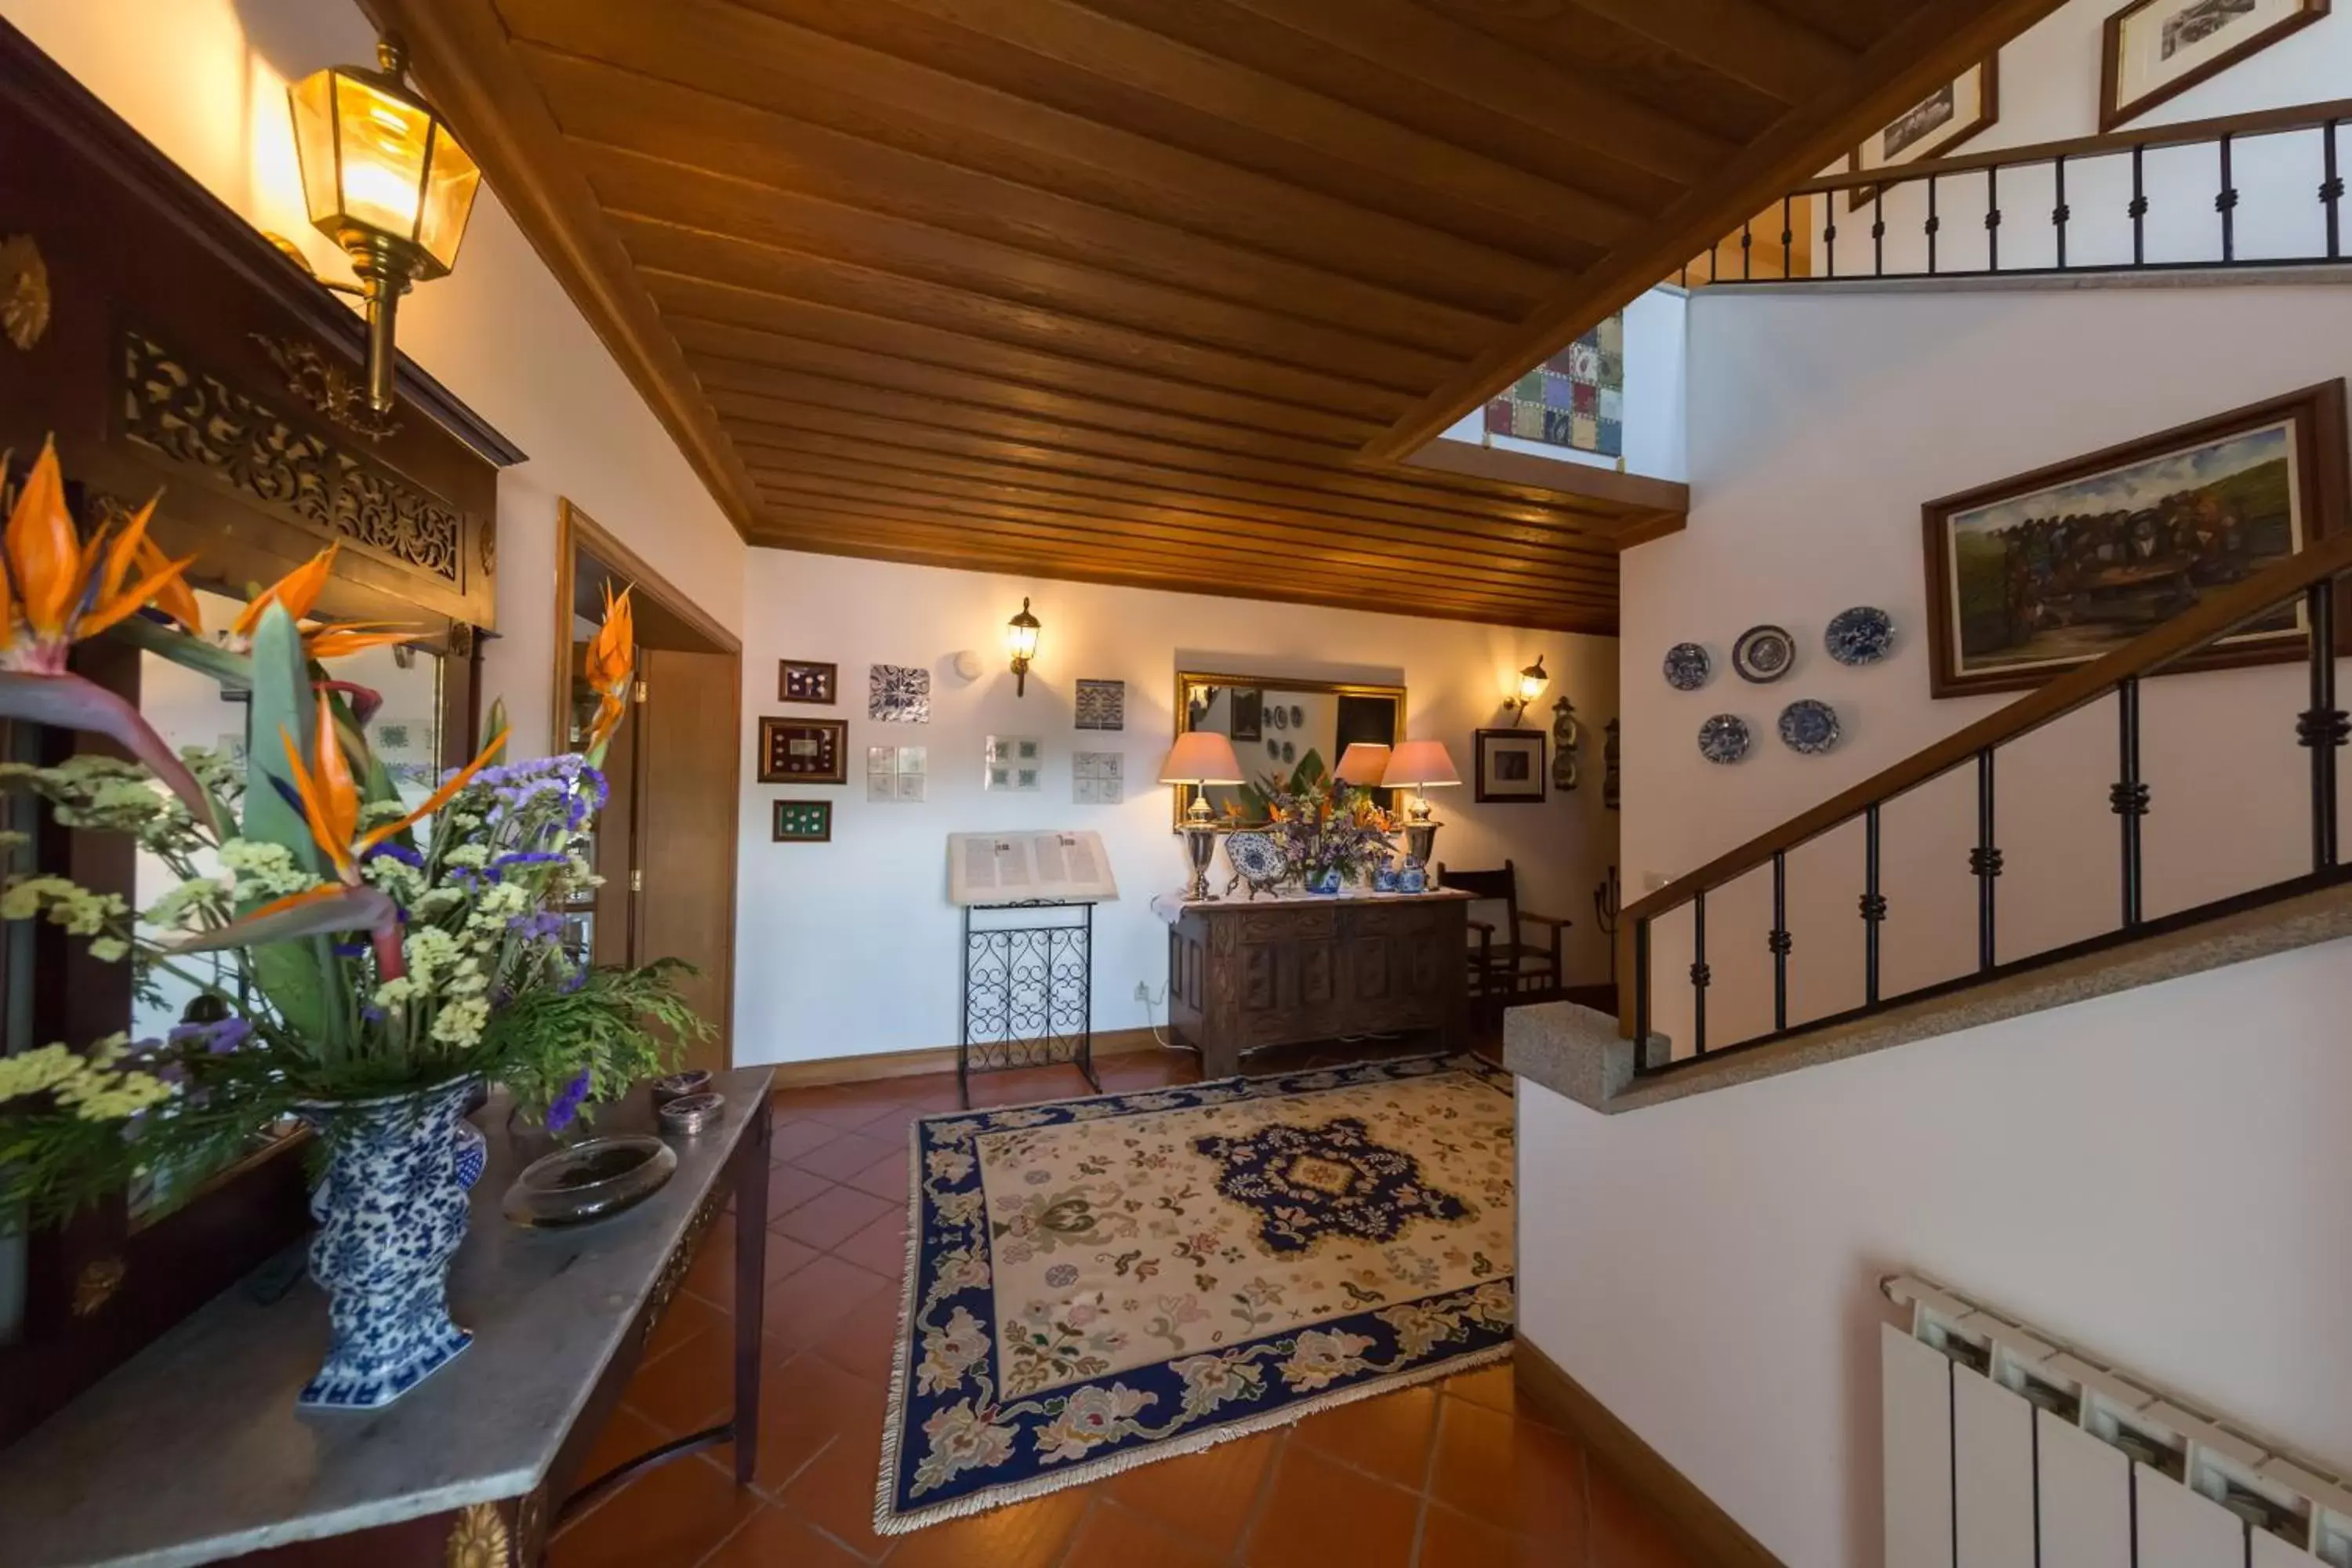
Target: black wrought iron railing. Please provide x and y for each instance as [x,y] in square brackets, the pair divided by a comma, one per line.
[2307,578]
[2167,197]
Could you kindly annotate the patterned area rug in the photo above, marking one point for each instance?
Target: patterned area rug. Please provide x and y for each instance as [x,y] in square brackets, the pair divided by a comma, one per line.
[1098,1283]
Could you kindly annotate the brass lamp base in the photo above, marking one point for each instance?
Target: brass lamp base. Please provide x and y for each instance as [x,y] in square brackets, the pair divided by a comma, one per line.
[1419,844]
[1200,846]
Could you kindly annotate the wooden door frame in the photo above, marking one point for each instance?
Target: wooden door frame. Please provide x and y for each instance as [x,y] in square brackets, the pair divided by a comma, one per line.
[576,532]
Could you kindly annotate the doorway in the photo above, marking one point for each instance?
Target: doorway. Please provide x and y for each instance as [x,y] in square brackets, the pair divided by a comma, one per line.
[665,843]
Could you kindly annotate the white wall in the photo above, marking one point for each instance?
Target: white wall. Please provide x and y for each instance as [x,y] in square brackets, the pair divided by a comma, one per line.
[2050,91]
[1653,441]
[204,79]
[851,947]
[2159,1176]
[1803,505]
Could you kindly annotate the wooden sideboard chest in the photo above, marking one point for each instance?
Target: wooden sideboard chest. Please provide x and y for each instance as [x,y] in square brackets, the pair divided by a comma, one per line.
[1244,974]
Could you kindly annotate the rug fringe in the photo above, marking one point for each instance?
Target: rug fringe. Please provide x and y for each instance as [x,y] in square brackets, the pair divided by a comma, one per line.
[889,1523]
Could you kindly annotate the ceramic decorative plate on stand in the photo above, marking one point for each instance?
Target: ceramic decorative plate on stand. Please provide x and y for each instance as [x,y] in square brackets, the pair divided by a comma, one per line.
[1687,666]
[1724,738]
[1763,654]
[1860,635]
[1257,859]
[1810,727]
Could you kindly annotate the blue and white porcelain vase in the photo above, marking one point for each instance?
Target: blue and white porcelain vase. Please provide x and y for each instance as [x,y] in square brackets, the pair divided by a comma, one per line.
[1384,878]
[1326,881]
[1414,878]
[392,1212]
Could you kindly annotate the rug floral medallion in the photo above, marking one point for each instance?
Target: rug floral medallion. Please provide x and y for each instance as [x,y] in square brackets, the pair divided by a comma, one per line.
[1097,1283]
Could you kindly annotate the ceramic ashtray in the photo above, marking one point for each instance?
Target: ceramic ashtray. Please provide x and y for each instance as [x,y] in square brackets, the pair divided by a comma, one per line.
[679,1084]
[589,1179]
[690,1113]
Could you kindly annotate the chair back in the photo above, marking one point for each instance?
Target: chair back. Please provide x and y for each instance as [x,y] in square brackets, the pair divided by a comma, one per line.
[1501,887]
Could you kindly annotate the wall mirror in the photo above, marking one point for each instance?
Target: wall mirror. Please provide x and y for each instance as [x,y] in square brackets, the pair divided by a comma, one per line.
[1287,732]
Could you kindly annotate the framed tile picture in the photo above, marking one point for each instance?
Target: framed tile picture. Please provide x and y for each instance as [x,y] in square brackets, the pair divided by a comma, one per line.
[1511,766]
[804,822]
[898,694]
[805,680]
[897,773]
[803,750]
[1015,762]
[1102,705]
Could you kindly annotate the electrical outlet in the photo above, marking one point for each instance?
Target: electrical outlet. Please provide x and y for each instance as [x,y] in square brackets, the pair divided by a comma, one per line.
[1142,991]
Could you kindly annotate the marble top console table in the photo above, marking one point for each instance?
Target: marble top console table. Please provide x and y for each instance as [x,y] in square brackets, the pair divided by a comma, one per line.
[193,1452]
[1244,973]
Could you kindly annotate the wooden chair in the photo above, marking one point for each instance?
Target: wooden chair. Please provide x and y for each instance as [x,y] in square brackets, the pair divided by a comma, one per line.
[1504,967]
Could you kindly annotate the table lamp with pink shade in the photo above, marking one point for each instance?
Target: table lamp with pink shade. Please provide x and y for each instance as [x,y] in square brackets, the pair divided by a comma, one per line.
[1362,764]
[1201,758]
[1420,766]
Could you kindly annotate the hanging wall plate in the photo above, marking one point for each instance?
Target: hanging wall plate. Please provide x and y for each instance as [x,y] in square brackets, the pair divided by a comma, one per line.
[1687,666]
[1810,727]
[1763,654]
[1724,738]
[1859,636]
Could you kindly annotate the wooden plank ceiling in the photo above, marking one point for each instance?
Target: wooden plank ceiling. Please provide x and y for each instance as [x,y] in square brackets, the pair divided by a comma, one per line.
[1153,291]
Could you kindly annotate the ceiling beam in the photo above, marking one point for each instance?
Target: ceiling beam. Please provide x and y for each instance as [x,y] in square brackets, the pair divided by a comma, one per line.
[1745,40]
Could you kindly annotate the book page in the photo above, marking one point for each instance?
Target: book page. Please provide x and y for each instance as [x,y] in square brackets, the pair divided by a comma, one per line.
[1006,868]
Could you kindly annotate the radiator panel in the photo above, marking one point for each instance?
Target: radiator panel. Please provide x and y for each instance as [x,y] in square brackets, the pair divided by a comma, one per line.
[2085,1498]
[1918,1446]
[1992,1474]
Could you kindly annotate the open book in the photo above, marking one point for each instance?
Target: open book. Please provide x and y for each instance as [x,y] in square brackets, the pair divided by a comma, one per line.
[1008,867]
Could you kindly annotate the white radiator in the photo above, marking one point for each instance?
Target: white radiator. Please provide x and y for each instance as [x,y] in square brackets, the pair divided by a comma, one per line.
[2006,1448]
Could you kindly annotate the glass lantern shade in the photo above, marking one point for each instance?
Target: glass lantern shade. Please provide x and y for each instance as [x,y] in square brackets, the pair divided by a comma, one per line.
[1020,635]
[1532,681]
[380,166]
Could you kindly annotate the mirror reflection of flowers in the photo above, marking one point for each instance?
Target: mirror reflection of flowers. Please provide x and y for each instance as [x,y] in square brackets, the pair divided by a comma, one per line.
[1325,833]
[372,948]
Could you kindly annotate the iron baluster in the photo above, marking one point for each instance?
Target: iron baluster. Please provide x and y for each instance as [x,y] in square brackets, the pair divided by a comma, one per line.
[2323,726]
[1788,236]
[1878,233]
[2331,187]
[1934,223]
[1746,250]
[1829,230]
[1640,993]
[1984,860]
[1874,904]
[2226,203]
[2138,208]
[2128,798]
[1992,218]
[1779,941]
[1700,974]
[2060,214]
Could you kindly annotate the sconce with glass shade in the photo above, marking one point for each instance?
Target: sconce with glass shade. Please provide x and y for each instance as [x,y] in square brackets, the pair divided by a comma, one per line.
[1529,686]
[384,177]
[1021,642]
[1421,766]
[1201,758]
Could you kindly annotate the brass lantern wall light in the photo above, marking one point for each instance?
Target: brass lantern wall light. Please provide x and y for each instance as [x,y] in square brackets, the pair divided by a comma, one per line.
[384,178]
[1525,689]
[1021,642]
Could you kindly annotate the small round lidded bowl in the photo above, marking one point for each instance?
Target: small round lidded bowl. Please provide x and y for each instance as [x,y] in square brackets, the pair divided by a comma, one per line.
[589,1179]
[679,1084]
[690,1113]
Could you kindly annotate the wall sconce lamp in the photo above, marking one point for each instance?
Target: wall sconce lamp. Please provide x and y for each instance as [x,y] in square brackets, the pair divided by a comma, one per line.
[1530,686]
[1201,758]
[382,177]
[1021,642]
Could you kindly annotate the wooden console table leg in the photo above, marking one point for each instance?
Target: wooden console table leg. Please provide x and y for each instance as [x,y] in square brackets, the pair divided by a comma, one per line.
[751,1285]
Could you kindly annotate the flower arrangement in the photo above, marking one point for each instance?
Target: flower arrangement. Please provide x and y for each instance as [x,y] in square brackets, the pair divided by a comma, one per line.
[376,949]
[1327,835]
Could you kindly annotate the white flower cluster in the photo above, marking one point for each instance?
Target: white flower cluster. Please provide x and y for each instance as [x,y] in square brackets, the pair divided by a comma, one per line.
[68,904]
[96,1087]
[263,871]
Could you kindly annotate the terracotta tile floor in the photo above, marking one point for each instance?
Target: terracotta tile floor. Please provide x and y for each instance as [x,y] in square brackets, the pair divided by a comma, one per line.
[1447,1475]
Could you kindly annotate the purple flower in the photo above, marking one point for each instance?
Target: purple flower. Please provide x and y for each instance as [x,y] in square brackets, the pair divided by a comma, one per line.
[566,1104]
[400,852]
[219,1039]
[544,926]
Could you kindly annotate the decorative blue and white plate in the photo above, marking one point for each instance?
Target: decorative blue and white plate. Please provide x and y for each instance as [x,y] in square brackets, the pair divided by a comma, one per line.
[1278,716]
[1763,654]
[1724,738]
[1810,727]
[1687,666]
[1274,748]
[1297,716]
[1257,858]
[1860,635]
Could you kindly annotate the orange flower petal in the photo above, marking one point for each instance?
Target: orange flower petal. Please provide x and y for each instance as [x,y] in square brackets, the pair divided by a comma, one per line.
[439,798]
[296,900]
[105,613]
[346,638]
[315,813]
[174,598]
[297,591]
[44,556]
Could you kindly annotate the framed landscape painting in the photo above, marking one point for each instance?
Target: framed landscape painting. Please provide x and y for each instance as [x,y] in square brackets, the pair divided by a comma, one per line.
[2154,49]
[2037,574]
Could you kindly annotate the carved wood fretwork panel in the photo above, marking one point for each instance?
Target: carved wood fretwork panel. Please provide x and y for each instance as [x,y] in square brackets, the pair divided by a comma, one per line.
[193,416]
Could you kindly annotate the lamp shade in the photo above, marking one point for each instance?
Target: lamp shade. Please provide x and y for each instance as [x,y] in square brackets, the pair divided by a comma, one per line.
[1202,757]
[1363,762]
[1417,765]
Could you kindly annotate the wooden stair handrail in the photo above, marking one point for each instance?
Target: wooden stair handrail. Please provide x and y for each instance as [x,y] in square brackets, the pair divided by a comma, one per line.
[2254,122]
[2265,590]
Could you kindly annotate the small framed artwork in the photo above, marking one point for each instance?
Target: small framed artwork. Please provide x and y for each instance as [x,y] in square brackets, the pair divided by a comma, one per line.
[1102,705]
[1248,714]
[1511,766]
[2031,576]
[2156,50]
[804,822]
[1015,762]
[896,772]
[898,694]
[1932,127]
[803,750]
[805,680]
[1098,778]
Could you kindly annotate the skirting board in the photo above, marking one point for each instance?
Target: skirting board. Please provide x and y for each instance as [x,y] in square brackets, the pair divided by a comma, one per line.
[1711,1534]
[937,1058]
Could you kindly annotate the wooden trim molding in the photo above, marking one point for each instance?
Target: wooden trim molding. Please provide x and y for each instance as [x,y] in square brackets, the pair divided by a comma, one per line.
[1696,1519]
[575,531]
[882,1066]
